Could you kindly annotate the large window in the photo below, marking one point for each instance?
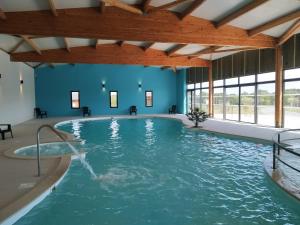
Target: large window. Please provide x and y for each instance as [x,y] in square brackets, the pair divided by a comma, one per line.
[247,103]
[232,103]
[189,101]
[113,99]
[148,98]
[248,98]
[266,104]
[218,103]
[204,100]
[197,99]
[75,100]
[291,99]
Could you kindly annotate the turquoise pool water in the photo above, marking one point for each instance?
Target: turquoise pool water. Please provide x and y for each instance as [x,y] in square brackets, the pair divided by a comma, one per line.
[47,149]
[156,172]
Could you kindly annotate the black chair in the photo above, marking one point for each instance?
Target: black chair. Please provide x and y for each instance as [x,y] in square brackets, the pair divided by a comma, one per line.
[172,110]
[39,113]
[7,130]
[133,109]
[86,111]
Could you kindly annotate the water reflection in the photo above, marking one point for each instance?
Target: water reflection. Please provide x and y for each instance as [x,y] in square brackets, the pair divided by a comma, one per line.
[114,126]
[149,134]
[76,129]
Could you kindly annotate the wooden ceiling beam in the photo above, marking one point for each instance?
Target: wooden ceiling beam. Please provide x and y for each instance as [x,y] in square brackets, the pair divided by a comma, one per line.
[207,50]
[32,44]
[145,5]
[67,44]
[166,6]
[173,68]
[212,50]
[53,8]
[108,54]
[2,15]
[123,6]
[273,23]
[117,24]
[290,32]
[102,6]
[241,11]
[148,46]
[96,44]
[194,5]
[17,46]
[120,43]
[174,49]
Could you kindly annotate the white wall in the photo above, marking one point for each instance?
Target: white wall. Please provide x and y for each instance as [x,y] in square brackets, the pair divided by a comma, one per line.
[17,101]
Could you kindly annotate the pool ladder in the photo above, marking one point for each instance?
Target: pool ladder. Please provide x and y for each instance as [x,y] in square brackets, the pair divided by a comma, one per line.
[38,144]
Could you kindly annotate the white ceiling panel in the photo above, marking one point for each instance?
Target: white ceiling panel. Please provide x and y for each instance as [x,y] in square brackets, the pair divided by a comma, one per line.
[181,7]
[7,42]
[103,42]
[157,3]
[76,42]
[49,43]
[178,8]
[279,30]
[137,43]
[216,55]
[25,48]
[133,2]
[190,49]
[266,12]
[61,4]
[23,5]
[228,47]
[33,64]
[215,9]
[163,46]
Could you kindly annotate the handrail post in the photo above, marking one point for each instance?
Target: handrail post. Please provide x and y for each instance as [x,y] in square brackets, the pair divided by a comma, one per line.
[38,144]
[38,153]
[274,156]
[278,139]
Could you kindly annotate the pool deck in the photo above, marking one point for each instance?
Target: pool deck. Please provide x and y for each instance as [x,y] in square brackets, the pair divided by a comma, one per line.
[20,184]
[19,181]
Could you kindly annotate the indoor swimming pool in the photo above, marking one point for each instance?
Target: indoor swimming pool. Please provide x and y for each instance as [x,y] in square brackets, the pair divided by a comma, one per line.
[156,171]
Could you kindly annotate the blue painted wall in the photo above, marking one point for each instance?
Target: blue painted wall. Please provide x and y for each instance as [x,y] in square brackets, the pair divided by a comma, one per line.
[181,91]
[53,88]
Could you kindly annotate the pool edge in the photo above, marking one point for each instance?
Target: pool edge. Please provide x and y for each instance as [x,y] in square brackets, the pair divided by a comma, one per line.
[17,209]
[279,178]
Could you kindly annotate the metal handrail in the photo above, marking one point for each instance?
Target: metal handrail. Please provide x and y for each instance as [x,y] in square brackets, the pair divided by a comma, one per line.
[38,143]
[277,145]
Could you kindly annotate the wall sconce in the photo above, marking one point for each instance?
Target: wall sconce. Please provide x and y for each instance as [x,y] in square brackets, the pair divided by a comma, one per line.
[21,81]
[103,86]
[140,86]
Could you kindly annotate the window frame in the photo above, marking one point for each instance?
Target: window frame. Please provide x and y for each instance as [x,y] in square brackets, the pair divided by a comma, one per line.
[113,107]
[284,82]
[71,98]
[255,83]
[151,98]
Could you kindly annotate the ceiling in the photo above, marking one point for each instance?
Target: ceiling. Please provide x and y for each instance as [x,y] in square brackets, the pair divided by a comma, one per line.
[212,10]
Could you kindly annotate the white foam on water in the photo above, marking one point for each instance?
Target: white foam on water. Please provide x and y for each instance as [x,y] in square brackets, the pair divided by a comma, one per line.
[82,160]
